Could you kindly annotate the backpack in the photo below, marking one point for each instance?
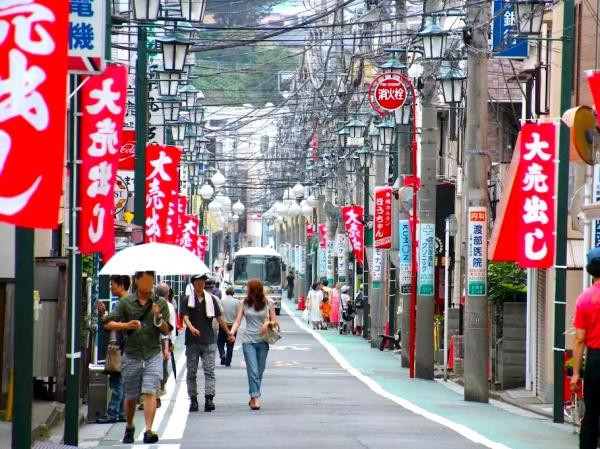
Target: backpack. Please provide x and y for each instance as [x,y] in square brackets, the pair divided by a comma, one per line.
[359,301]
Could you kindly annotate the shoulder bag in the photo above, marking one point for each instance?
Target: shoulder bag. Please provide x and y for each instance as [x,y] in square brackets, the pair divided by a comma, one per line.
[273,334]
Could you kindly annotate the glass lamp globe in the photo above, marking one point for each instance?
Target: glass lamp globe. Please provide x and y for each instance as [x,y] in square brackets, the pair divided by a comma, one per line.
[214,206]
[206,191]
[312,201]
[238,208]
[298,190]
[218,179]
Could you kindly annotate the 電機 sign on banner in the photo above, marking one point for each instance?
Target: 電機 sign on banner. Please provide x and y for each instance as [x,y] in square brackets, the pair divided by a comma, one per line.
[405,255]
[103,108]
[162,179]
[352,216]
[87,29]
[426,275]
[477,252]
[33,69]
[536,205]
[382,232]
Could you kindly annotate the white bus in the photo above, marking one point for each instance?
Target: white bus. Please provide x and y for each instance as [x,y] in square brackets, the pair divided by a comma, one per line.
[258,263]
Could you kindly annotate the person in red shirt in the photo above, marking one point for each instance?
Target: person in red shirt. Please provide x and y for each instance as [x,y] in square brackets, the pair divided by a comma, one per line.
[587,335]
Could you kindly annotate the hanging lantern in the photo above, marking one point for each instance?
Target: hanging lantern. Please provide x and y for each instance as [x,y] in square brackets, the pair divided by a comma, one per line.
[174,51]
[145,10]
[452,81]
[193,10]
[168,82]
[529,15]
[434,40]
[170,107]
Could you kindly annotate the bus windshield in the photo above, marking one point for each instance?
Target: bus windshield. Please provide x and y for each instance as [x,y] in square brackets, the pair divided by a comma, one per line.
[265,268]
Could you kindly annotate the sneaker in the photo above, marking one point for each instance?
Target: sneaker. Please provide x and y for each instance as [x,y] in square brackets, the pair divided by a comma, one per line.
[106,420]
[158,403]
[194,404]
[122,419]
[150,437]
[129,437]
[209,405]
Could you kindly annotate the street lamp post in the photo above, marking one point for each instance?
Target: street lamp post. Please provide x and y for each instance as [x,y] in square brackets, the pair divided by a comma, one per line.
[365,158]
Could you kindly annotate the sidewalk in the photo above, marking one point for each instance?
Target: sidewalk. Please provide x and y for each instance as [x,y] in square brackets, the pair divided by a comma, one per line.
[496,425]
[45,414]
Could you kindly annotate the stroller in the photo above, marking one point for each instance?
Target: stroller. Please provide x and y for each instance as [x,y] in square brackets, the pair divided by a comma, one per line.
[348,315]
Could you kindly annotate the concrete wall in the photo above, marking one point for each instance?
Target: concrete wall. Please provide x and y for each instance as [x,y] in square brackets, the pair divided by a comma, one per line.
[7,255]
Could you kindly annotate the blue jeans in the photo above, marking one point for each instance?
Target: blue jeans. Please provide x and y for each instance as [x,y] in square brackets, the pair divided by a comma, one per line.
[255,355]
[115,406]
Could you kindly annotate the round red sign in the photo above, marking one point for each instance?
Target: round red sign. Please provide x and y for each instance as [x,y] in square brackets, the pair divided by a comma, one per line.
[390,94]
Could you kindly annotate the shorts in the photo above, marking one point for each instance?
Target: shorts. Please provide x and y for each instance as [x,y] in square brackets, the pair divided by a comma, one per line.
[141,376]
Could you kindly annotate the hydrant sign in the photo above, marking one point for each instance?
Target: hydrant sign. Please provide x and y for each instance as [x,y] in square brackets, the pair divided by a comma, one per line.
[390,94]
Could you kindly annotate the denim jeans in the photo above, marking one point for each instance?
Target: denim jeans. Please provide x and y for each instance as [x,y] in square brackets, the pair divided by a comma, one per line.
[255,355]
[222,343]
[588,437]
[115,406]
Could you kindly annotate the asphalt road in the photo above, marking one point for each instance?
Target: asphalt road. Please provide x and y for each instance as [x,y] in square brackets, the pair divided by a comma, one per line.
[308,401]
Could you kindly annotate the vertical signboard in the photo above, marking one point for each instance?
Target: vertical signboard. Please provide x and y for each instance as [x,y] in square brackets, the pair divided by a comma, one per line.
[596,199]
[426,259]
[505,44]
[477,252]
[87,36]
[322,263]
[383,218]
[377,270]
[302,260]
[405,255]
[330,261]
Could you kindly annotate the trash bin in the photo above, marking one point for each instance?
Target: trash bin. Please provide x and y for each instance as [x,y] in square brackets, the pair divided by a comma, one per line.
[97,392]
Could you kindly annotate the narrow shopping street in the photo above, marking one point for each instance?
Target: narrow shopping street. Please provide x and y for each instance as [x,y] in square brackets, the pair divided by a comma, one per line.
[311,400]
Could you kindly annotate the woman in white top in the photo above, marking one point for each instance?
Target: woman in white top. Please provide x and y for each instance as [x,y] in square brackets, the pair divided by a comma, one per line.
[315,297]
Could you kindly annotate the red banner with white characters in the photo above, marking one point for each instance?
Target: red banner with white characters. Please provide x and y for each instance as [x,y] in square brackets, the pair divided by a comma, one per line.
[323,235]
[382,232]
[202,246]
[353,219]
[536,192]
[172,229]
[310,230]
[103,100]
[162,178]
[594,82]
[189,233]
[33,92]
[181,210]
[127,150]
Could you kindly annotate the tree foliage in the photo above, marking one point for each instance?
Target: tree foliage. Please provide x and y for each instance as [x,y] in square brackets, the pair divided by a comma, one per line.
[239,12]
[247,74]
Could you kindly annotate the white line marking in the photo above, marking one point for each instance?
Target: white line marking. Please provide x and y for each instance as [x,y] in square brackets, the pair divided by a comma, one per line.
[179,415]
[170,389]
[461,429]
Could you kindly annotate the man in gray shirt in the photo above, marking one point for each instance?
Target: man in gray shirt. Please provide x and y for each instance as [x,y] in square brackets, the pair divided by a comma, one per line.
[229,307]
[198,311]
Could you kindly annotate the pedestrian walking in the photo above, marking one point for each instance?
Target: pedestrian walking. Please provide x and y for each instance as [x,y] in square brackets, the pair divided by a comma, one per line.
[167,341]
[211,286]
[115,412]
[347,310]
[325,313]
[144,317]
[229,306]
[334,301]
[198,312]
[587,335]
[359,307]
[259,312]
[290,285]
[315,297]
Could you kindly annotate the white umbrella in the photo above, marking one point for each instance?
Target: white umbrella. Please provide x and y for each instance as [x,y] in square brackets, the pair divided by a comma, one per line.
[159,257]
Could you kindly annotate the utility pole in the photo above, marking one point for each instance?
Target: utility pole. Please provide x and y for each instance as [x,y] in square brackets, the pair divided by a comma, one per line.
[560,289]
[141,126]
[424,360]
[477,163]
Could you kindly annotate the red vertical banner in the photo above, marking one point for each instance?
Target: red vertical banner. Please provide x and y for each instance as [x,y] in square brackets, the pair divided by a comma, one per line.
[323,235]
[103,110]
[181,210]
[594,82]
[162,178]
[536,180]
[310,230]
[172,219]
[202,246]
[33,93]
[383,218]
[353,220]
[189,233]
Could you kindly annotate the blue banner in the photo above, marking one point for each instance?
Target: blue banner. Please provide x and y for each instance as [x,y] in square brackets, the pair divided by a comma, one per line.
[504,43]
